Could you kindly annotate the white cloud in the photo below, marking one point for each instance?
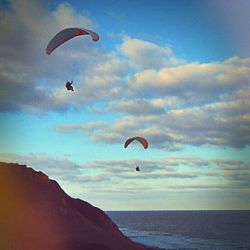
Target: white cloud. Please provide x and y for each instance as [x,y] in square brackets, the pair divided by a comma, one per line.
[222,124]
[196,83]
[137,107]
[55,167]
[33,81]
[170,101]
[80,128]
[156,175]
[217,173]
[146,55]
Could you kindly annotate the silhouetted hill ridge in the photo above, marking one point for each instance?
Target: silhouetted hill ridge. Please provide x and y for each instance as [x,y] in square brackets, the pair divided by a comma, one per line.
[36,213]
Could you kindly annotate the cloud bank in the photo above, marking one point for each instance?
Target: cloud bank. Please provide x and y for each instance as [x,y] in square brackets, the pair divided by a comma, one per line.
[151,91]
[177,172]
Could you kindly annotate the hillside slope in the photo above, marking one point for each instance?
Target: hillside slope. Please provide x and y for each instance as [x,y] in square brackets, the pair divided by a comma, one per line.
[35,213]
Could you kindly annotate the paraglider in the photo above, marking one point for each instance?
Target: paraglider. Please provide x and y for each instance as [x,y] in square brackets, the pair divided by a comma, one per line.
[69,86]
[67,34]
[64,36]
[142,140]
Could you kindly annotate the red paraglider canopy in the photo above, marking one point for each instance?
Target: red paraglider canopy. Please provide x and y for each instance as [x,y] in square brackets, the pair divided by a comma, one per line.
[67,34]
[142,140]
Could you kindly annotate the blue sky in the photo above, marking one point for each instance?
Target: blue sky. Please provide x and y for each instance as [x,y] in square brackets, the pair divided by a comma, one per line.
[174,72]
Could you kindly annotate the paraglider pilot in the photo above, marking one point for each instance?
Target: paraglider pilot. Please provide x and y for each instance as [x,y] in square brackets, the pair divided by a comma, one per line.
[69,86]
[137,168]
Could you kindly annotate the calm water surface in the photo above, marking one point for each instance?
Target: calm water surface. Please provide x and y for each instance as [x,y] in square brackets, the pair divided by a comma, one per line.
[219,230]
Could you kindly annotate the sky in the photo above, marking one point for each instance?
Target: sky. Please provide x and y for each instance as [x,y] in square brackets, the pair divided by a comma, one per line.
[174,72]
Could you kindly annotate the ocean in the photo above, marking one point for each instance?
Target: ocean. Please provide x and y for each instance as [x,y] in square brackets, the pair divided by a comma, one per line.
[189,230]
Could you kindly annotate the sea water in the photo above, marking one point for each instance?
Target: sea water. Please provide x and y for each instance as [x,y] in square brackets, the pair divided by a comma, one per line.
[205,230]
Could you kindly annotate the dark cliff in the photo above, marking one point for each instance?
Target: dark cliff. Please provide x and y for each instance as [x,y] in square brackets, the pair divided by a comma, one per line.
[35,213]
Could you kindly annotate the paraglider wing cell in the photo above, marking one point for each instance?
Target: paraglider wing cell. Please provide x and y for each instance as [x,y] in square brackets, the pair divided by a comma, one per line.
[142,140]
[67,34]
